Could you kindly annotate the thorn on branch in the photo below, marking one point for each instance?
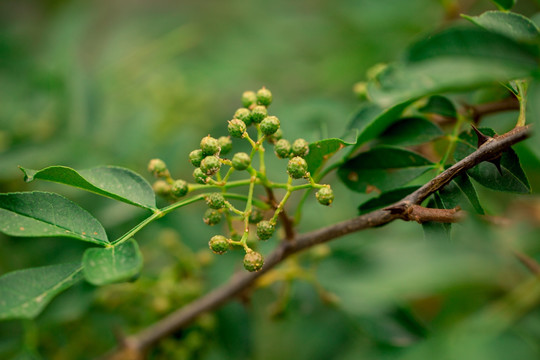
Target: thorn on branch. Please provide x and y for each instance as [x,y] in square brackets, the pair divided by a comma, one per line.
[482,139]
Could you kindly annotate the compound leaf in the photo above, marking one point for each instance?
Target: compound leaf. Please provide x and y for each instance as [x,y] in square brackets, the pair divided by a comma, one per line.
[110,181]
[39,214]
[25,293]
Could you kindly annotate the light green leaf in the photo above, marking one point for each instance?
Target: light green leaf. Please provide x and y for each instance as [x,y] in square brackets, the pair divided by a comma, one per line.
[39,214]
[382,169]
[504,4]
[515,26]
[513,178]
[112,264]
[110,181]
[454,60]
[385,199]
[322,150]
[410,131]
[25,293]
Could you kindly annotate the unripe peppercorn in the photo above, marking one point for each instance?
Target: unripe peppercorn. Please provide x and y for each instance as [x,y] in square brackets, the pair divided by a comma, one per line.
[210,165]
[275,137]
[157,167]
[219,244]
[215,201]
[209,145]
[241,161]
[265,229]
[179,188]
[325,196]
[253,261]
[297,167]
[195,157]
[255,216]
[199,176]
[244,115]
[300,147]
[269,125]
[212,217]
[248,98]
[225,144]
[161,188]
[236,128]
[282,149]
[264,97]
[258,114]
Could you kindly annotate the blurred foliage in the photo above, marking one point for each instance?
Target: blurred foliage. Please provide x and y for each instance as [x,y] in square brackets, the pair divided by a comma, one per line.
[119,82]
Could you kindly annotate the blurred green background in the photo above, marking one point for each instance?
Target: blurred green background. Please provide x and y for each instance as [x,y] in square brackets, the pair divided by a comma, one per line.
[87,83]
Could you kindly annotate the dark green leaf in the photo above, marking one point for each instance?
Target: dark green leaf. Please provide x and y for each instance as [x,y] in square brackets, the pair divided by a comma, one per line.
[382,169]
[385,199]
[110,181]
[371,120]
[454,60]
[504,4]
[112,264]
[320,151]
[515,26]
[436,231]
[463,182]
[38,214]
[410,131]
[24,293]
[513,178]
[533,114]
[441,105]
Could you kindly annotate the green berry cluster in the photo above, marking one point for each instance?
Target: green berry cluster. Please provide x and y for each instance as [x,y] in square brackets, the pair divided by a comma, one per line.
[254,124]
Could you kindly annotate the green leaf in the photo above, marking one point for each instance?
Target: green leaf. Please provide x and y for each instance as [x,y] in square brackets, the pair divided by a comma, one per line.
[382,169]
[504,4]
[112,264]
[410,131]
[110,181]
[441,105]
[38,214]
[456,59]
[436,231]
[463,182]
[25,293]
[371,120]
[322,150]
[513,178]
[515,26]
[533,114]
[385,199]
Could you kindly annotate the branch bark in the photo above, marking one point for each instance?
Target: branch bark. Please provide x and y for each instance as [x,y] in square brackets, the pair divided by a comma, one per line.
[140,342]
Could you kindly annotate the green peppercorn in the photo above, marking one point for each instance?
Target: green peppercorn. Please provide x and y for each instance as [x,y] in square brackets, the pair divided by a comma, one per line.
[244,115]
[253,261]
[199,176]
[236,128]
[195,157]
[255,216]
[241,161]
[297,167]
[265,229]
[258,114]
[161,188]
[209,145]
[157,167]
[212,217]
[300,147]
[219,244]
[225,144]
[275,137]
[248,98]
[269,125]
[264,97]
[282,149]
[179,188]
[325,196]
[210,165]
[215,201]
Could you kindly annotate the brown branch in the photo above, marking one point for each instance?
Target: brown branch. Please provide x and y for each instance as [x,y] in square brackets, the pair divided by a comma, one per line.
[529,262]
[140,342]
[422,214]
[286,221]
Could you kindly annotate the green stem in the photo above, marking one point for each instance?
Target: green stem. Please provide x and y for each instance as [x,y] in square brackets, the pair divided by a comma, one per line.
[283,201]
[247,212]
[452,143]
[522,97]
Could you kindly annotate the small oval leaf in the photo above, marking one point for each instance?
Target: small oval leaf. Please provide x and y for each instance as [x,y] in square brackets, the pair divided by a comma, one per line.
[515,26]
[112,264]
[114,182]
[322,150]
[25,293]
[39,214]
